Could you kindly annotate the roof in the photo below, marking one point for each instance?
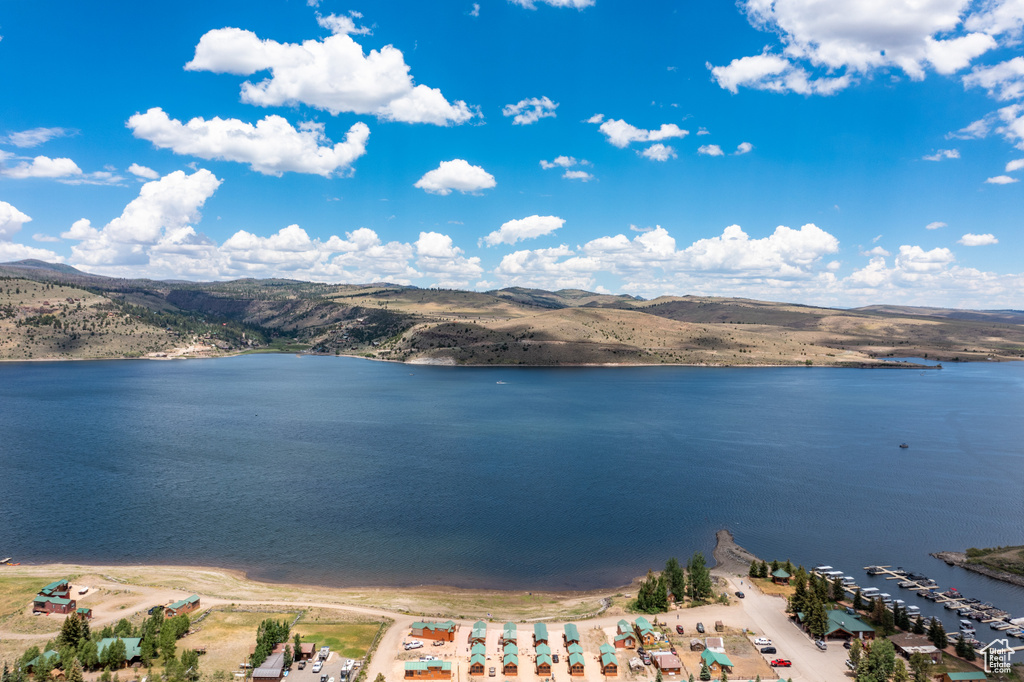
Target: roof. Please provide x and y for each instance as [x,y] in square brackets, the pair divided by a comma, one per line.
[55,586]
[543,649]
[426,665]
[510,658]
[447,625]
[781,574]
[575,649]
[82,609]
[571,633]
[716,643]
[272,667]
[710,657]
[510,631]
[132,648]
[643,624]
[624,636]
[477,658]
[194,599]
[543,658]
[511,649]
[540,631]
[666,660]
[624,626]
[479,630]
[51,657]
[841,620]
[478,648]
[575,658]
[609,659]
[968,676]
[52,600]
[607,649]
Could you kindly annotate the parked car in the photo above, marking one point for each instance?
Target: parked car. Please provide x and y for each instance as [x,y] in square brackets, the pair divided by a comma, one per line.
[438,642]
[820,643]
[323,678]
[679,629]
[782,663]
[317,666]
[740,595]
[762,641]
[642,651]
[700,628]
[554,658]
[847,645]
[768,650]
[302,665]
[490,672]
[410,645]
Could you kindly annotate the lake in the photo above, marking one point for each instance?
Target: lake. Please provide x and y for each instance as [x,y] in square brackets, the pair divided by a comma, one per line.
[348,472]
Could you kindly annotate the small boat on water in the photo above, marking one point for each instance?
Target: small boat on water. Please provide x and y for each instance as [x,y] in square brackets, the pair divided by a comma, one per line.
[501,382]
[904,446]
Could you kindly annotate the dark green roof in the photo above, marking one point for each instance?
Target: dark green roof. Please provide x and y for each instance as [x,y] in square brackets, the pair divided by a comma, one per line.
[540,631]
[183,602]
[624,626]
[52,600]
[624,636]
[607,649]
[571,633]
[82,609]
[711,657]
[447,625]
[575,649]
[511,649]
[47,657]
[968,676]
[841,620]
[781,574]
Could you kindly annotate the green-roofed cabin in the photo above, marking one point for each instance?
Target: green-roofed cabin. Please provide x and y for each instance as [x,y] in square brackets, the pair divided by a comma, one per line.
[478,648]
[47,604]
[964,677]
[47,660]
[609,663]
[571,634]
[509,633]
[510,664]
[574,649]
[477,663]
[84,613]
[626,640]
[716,662]
[478,633]
[842,625]
[428,670]
[576,664]
[540,634]
[132,648]
[187,605]
[645,632]
[543,664]
[781,577]
[58,588]
[441,632]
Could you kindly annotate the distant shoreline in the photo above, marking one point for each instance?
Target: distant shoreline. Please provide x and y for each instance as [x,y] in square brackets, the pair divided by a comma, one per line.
[960,559]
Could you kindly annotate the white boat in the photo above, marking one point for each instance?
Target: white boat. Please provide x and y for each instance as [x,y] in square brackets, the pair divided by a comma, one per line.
[83,590]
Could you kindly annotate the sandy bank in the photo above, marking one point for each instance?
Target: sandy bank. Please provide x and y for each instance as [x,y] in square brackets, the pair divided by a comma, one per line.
[960,559]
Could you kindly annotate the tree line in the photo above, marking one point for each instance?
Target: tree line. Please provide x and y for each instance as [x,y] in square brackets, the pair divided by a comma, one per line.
[693,583]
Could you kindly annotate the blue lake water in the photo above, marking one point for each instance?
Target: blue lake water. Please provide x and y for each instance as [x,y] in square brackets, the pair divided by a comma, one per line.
[349,472]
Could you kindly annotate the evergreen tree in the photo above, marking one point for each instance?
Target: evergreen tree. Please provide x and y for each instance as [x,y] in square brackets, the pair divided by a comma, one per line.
[725,677]
[379,678]
[764,570]
[74,672]
[775,565]
[298,649]
[89,655]
[700,578]
[919,625]
[691,678]
[903,620]
[83,628]
[858,601]
[114,654]
[838,590]
[817,619]
[961,647]
[190,664]
[788,568]
[287,656]
[855,653]
[168,646]
[822,590]
[6,677]
[799,601]
[675,579]
[937,634]
[877,610]
[658,677]
[705,674]
[754,569]
[888,622]
[123,628]
[879,663]
[70,632]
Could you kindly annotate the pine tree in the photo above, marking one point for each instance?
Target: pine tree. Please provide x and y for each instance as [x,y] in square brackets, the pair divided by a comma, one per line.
[821,589]
[379,678]
[287,657]
[298,647]
[855,653]
[838,590]
[921,667]
[74,672]
[658,677]
[937,634]
[817,619]
[705,674]
[888,622]
[900,673]
[919,625]
[70,631]
[190,664]
[675,579]
[858,601]
[788,568]
[700,578]
[775,565]
[754,569]
[764,570]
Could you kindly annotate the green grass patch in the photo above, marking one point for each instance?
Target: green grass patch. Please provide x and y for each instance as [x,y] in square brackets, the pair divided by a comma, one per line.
[350,640]
[16,593]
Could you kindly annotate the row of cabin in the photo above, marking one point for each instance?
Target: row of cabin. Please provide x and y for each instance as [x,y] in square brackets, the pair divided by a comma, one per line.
[544,662]
[56,598]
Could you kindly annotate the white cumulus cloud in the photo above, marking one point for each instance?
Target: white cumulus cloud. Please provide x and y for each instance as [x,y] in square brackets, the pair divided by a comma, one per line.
[11,220]
[43,167]
[531,110]
[659,152]
[333,74]
[1014,165]
[36,136]
[457,174]
[622,134]
[1001,180]
[524,228]
[271,147]
[143,172]
[943,154]
[971,239]
[743,148]
[1004,81]
[574,4]
[710,150]
[581,175]
[935,225]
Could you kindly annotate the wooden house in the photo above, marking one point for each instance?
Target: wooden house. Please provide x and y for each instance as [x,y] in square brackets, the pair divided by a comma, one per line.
[83,613]
[716,662]
[609,661]
[645,632]
[132,648]
[668,663]
[428,670]
[571,635]
[544,661]
[624,637]
[442,632]
[271,670]
[58,588]
[187,605]
[576,664]
[510,634]
[477,660]
[540,634]
[478,635]
[47,604]
[908,644]
[510,660]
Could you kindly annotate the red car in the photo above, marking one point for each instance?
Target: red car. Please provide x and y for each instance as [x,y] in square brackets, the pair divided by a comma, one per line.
[782,663]
[679,629]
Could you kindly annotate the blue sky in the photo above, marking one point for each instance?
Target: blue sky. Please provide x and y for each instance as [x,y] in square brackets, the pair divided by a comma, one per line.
[838,152]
